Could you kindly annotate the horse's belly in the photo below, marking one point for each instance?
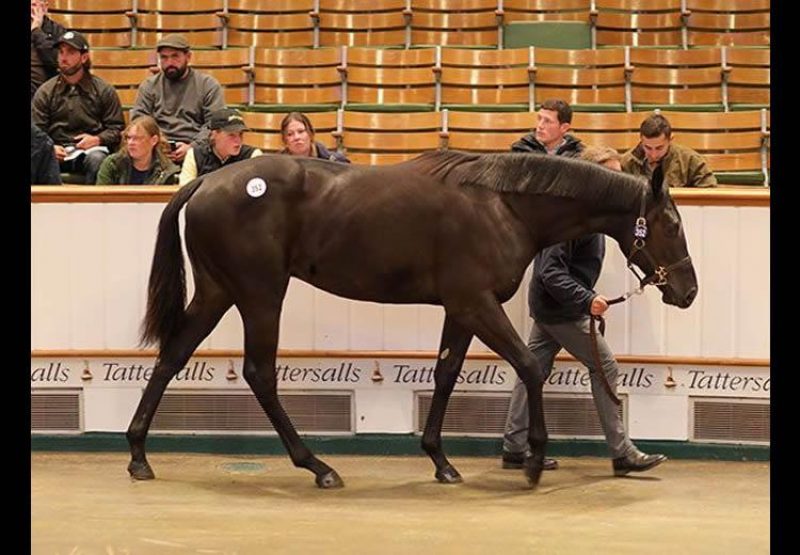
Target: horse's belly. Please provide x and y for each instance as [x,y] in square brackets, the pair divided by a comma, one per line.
[375,296]
[360,279]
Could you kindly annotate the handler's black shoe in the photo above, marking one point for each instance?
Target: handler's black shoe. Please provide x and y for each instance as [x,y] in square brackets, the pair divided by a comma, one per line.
[637,462]
[517,460]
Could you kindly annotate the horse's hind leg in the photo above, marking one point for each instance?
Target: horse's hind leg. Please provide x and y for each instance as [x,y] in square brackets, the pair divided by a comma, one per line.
[454,344]
[261,345]
[202,315]
[489,322]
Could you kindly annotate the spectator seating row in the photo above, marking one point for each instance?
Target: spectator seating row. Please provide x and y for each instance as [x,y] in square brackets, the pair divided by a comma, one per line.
[735,144]
[373,79]
[406,23]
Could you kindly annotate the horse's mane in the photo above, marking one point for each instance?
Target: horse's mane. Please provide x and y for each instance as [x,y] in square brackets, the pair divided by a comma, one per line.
[538,174]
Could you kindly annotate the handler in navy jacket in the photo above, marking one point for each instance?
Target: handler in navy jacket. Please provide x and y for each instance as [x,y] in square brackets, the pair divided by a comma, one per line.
[561,299]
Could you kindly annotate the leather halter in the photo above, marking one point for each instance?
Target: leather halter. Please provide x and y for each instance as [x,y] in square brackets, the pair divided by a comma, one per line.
[658,277]
[661,273]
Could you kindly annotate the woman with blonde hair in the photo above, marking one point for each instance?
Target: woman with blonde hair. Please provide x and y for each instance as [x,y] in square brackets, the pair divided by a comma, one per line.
[603,155]
[142,157]
[297,134]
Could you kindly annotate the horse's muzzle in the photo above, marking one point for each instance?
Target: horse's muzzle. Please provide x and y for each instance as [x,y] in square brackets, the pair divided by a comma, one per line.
[689,298]
[684,301]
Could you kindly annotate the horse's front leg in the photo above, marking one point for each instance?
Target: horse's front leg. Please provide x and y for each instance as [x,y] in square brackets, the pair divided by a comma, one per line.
[489,322]
[453,347]
[201,317]
[261,344]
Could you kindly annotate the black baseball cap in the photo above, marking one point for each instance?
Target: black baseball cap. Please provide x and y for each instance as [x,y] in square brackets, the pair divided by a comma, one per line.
[75,40]
[227,119]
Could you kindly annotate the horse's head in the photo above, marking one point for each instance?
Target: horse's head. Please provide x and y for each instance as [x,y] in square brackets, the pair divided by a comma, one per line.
[657,245]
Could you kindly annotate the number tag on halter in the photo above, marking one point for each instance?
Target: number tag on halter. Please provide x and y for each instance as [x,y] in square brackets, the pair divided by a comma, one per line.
[256,187]
[640,229]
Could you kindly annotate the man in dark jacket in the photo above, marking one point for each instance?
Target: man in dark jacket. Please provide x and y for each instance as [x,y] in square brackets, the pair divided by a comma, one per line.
[44,166]
[44,34]
[550,135]
[78,110]
[561,299]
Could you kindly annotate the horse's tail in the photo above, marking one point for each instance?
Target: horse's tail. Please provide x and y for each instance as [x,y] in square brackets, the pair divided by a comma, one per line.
[166,290]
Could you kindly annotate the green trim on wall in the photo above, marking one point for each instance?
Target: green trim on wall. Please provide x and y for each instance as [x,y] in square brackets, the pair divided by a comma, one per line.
[381,444]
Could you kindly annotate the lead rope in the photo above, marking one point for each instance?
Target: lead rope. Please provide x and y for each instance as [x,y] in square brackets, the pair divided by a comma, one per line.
[640,233]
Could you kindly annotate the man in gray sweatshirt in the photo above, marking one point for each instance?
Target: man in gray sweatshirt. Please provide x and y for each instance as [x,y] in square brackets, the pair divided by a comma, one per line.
[180,98]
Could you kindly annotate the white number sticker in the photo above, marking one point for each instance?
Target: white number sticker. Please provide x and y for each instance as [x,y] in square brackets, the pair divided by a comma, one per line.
[256,187]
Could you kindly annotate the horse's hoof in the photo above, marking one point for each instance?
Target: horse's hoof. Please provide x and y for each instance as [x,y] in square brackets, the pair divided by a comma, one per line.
[330,480]
[140,471]
[448,475]
[533,471]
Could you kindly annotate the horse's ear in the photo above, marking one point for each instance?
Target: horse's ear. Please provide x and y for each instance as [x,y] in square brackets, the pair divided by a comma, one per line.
[657,181]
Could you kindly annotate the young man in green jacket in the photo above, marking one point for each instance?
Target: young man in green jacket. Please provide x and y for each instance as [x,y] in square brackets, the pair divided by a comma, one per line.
[682,166]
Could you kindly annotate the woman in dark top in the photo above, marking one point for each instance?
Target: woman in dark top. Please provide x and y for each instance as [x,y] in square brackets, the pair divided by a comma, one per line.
[297,134]
[142,158]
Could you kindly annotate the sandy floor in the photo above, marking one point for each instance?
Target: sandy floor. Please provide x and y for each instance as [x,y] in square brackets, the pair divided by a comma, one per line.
[85,503]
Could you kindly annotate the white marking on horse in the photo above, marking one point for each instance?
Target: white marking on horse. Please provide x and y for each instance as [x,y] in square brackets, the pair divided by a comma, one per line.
[444,354]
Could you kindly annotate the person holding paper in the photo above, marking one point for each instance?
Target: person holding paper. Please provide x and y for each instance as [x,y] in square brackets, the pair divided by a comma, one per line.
[79,111]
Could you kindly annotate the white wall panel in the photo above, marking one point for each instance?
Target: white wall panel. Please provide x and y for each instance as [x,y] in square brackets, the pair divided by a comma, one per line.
[646,322]
[429,331]
[90,265]
[331,321]
[148,217]
[109,409]
[366,326]
[753,294]
[401,327]
[658,417]
[51,295]
[384,411]
[716,270]
[681,328]
[297,316]
[229,333]
[87,315]
[126,281]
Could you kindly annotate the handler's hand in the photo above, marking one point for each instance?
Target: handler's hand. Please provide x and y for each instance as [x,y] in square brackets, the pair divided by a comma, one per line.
[599,305]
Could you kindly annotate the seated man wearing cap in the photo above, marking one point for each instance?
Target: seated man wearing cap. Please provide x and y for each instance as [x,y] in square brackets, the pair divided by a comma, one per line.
[79,111]
[223,147]
[179,97]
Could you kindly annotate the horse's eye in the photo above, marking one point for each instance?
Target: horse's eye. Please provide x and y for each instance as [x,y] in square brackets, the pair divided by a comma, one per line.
[672,229]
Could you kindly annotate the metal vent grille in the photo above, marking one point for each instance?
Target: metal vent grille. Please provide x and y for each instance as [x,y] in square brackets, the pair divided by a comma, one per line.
[482,414]
[467,413]
[240,412]
[56,411]
[734,421]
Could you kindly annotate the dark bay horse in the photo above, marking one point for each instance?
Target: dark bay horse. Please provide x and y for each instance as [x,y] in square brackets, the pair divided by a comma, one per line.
[446,228]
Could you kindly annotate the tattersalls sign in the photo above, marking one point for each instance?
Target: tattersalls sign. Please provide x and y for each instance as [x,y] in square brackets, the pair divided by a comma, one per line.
[406,374]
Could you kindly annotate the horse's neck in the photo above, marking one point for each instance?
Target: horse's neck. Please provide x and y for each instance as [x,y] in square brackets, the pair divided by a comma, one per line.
[555,220]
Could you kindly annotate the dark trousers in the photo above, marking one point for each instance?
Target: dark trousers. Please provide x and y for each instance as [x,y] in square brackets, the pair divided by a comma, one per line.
[88,165]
